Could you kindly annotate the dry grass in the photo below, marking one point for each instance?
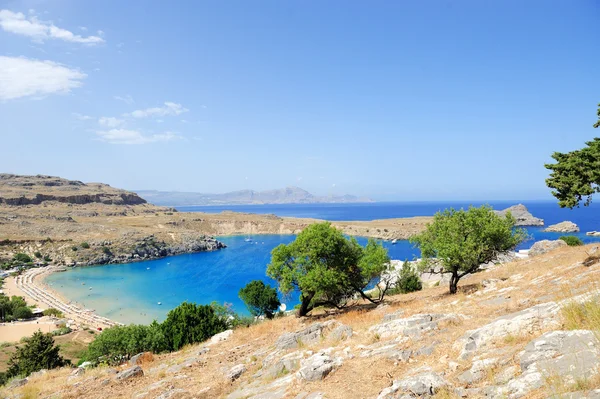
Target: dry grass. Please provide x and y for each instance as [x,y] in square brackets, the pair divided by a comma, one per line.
[582,316]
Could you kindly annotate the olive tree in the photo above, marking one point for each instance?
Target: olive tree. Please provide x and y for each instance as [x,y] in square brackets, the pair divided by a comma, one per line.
[461,241]
[326,267]
[576,174]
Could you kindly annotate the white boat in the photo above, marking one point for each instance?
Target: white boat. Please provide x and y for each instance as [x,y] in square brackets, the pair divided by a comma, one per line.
[160,303]
[394,241]
[248,239]
[147,268]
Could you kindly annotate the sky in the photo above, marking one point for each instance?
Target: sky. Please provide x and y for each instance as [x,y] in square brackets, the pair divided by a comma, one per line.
[395,100]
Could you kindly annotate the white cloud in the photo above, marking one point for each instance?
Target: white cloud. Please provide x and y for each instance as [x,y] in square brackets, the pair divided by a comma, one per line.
[18,23]
[23,77]
[169,109]
[83,28]
[125,136]
[82,117]
[126,99]
[109,121]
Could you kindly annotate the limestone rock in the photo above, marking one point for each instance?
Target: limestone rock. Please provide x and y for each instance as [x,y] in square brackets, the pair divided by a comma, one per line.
[563,227]
[421,386]
[137,359]
[522,322]
[311,334]
[236,372]
[132,372]
[223,336]
[412,326]
[521,215]
[317,367]
[285,365]
[541,247]
[18,382]
[340,333]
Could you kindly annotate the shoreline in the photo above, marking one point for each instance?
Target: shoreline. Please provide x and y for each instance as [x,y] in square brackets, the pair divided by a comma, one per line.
[32,287]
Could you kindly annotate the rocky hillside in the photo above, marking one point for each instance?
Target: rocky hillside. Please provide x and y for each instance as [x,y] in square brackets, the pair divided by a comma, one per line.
[34,190]
[526,329]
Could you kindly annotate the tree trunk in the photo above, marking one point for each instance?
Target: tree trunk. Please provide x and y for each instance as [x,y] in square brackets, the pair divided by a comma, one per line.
[305,305]
[454,283]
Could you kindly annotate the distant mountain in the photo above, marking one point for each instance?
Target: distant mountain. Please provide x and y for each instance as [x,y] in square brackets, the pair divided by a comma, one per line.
[288,195]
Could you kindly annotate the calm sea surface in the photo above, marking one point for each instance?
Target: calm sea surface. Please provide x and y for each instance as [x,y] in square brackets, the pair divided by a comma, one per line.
[130,293]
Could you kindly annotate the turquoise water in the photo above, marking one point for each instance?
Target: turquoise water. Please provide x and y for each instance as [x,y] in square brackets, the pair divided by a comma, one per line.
[130,293]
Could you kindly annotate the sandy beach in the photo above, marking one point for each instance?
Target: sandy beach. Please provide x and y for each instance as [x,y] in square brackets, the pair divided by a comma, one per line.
[31,286]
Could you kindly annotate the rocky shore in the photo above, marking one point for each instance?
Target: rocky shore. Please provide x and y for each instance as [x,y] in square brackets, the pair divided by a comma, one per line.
[563,227]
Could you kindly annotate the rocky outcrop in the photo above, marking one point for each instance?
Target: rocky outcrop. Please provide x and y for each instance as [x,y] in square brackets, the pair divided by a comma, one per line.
[33,190]
[312,335]
[422,385]
[133,372]
[521,215]
[515,324]
[412,326]
[541,247]
[317,367]
[562,227]
[570,356]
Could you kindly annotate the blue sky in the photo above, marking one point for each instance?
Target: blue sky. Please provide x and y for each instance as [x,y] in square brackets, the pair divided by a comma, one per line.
[396,100]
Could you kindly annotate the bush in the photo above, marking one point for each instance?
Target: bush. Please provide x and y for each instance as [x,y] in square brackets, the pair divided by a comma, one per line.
[572,241]
[260,299]
[85,245]
[22,258]
[47,259]
[408,280]
[37,254]
[190,323]
[38,353]
[74,248]
[61,331]
[22,312]
[106,251]
[53,312]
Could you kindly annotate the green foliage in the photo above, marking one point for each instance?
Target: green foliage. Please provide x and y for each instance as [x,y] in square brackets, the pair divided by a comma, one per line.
[572,241]
[39,352]
[13,308]
[260,299]
[53,312]
[460,241]
[106,251]
[85,245]
[37,254]
[47,258]
[22,258]
[576,174]
[326,267]
[408,280]
[61,331]
[190,323]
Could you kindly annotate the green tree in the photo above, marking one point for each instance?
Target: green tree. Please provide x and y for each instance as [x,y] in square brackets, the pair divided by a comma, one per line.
[22,312]
[572,241]
[260,299]
[461,241]
[22,258]
[190,323]
[326,267]
[39,352]
[576,174]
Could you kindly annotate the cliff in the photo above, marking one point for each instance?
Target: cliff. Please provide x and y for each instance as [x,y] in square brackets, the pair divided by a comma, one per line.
[34,190]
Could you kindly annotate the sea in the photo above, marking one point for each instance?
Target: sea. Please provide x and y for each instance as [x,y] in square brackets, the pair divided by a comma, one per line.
[144,291]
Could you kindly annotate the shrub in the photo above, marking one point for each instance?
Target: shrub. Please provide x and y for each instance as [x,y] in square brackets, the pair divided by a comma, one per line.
[106,251]
[408,280]
[53,312]
[22,258]
[572,241]
[190,323]
[22,312]
[74,248]
[38,353]
[47,259]
[61,331]
[85,245]
[260,299]
[37,254]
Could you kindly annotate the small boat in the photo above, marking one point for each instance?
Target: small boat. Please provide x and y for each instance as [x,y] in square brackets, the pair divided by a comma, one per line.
[160,303]
[82,283]
[90,288]
[147,268]
[248,239]
[394,241]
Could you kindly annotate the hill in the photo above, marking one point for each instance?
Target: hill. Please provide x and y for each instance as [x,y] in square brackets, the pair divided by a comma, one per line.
[525,329]
[34,190]
[288,195]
